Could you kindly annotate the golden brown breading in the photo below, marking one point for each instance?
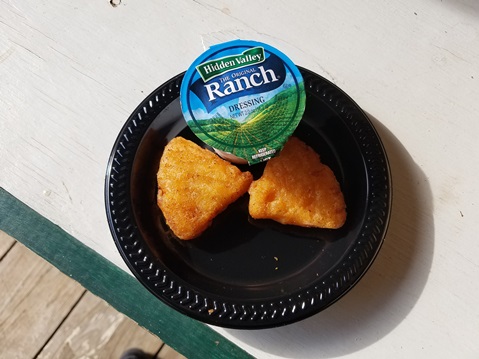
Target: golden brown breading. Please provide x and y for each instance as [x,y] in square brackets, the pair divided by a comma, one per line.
[195,185]
[296,188]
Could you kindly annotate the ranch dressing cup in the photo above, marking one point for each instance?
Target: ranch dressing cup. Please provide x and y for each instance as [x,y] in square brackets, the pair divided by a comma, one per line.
[244,99]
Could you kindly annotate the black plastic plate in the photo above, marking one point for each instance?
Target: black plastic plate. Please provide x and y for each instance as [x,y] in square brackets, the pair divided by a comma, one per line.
[243,273]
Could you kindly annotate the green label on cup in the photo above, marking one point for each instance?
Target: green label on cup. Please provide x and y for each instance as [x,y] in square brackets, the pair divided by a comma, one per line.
[243,98]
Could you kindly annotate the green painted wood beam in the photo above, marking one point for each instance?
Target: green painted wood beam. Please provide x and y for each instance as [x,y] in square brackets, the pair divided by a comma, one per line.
[104,279]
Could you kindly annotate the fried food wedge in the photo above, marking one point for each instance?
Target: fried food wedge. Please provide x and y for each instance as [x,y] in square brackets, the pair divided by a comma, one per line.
[195,185]
[297,189]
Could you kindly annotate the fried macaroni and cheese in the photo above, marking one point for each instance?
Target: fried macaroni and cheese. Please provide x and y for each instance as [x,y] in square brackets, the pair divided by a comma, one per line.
[297,189]
[195,185]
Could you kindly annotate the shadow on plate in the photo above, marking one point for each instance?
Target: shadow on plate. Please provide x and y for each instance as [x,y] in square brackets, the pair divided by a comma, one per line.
[387,292]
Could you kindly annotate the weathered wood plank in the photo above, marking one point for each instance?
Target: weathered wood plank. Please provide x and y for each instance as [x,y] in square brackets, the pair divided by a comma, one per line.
[35,299]
[6,242]
[95,330]
[106,280]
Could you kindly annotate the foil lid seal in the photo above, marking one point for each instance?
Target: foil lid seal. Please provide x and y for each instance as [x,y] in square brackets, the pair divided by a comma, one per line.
[244,99]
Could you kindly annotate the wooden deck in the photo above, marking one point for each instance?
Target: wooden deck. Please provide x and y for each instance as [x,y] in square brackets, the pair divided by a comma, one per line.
[45,314]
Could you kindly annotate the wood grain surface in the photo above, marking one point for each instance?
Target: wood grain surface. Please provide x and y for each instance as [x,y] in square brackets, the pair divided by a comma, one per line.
[95,329]
[107,281]
[71,73]
[45,314]
[27,314]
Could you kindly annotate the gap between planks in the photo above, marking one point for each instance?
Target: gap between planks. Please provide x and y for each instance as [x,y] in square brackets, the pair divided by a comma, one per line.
[45,314]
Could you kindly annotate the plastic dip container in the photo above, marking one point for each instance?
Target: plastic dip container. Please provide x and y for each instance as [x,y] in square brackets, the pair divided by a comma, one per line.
[244,99]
